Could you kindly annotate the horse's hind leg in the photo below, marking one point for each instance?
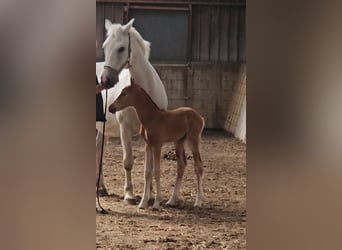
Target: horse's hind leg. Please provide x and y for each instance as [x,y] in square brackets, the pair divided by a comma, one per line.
[194,146]
[102,189]
[181,164]
[126,142]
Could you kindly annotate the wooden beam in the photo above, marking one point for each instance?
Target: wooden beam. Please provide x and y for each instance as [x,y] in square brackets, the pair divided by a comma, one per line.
[144,7]
[173,2]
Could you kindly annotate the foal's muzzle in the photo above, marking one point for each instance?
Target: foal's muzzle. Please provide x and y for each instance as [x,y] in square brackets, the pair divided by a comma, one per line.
[112,109]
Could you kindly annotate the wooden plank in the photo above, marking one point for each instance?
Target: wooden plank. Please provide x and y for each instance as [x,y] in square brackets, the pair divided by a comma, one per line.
[205,34]
[196,33]
[224,33]
[211,3]
[108,11]
[148,7]
[189,86]
[99,30]
[189,42]
[214,34]
[233,35]
[119,13]
[242,36]
[239,92]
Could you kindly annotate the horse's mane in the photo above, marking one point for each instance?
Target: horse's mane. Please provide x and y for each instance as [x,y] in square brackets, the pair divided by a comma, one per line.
[144,45]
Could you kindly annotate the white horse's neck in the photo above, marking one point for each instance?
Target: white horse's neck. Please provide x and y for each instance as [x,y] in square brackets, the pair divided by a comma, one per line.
[145,75]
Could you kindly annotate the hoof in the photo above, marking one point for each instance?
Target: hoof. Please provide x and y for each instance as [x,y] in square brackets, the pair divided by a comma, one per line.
[142,205]
[171,203]
[198,205]
[103,192]
[129,196]
[131,201]
[156,206]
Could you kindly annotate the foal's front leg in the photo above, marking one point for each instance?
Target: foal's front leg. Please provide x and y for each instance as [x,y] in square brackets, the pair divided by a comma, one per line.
[148,171]
[126,142]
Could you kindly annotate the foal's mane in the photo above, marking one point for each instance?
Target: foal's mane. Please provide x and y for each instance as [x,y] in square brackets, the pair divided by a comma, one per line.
[148,96]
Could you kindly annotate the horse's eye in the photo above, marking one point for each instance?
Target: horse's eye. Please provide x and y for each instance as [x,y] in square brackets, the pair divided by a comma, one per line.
[123,93]
[121,49]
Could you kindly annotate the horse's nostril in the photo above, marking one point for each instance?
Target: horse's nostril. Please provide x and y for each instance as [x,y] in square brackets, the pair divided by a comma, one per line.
[104,79]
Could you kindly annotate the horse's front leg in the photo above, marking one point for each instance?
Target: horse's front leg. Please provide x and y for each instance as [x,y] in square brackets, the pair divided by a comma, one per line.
[148,174]
[126,142]
[156,169]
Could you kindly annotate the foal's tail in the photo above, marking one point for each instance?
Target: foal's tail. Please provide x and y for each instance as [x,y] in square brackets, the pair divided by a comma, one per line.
[184,157]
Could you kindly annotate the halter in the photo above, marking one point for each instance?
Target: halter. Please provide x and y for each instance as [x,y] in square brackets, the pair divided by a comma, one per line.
[126,64]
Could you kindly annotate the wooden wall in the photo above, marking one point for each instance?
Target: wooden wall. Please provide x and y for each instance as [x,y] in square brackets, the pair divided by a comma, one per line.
[213,79]
[236,102]
[217,32]
[212,89]
[106,10]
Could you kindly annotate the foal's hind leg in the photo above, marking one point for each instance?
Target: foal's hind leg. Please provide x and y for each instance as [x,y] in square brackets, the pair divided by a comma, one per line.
[194,145]
[156,169]
[181,164]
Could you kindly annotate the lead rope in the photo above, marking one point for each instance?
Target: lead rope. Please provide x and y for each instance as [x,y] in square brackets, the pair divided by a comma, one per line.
[103,211]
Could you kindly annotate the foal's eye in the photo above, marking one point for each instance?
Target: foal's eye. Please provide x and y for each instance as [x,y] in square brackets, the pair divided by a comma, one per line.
[123,93]
[121,49]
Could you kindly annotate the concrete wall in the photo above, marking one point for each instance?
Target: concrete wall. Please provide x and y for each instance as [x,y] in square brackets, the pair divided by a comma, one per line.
[207,87]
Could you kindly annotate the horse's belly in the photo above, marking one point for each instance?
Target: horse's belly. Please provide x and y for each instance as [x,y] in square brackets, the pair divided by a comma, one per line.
[112,126]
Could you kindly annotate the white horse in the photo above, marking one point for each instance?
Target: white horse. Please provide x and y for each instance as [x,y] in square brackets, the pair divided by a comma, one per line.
[130,126]
[125,48]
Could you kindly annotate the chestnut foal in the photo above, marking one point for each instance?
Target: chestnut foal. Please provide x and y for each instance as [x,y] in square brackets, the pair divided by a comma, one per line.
[159,126]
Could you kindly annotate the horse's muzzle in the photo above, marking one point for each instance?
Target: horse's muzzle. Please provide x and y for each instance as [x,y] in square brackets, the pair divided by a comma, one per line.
[109,77]
[109,80]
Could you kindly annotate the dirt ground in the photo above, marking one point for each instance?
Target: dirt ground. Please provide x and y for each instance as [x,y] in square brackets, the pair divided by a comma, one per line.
[219,224]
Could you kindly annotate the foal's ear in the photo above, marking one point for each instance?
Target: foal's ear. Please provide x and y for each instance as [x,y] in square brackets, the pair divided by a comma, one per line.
[107,24]
[129,25]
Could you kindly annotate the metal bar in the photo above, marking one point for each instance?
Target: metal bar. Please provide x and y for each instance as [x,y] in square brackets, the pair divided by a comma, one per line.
[126,9]
[238,36]
[171,64]
[229,32]
[179,98]
[200,33]
[189,50]
[219,34]
[141,7]
[173,2]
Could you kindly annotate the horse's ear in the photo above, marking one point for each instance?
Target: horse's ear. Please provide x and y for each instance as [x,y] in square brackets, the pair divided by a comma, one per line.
[107,24]
[129,25]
